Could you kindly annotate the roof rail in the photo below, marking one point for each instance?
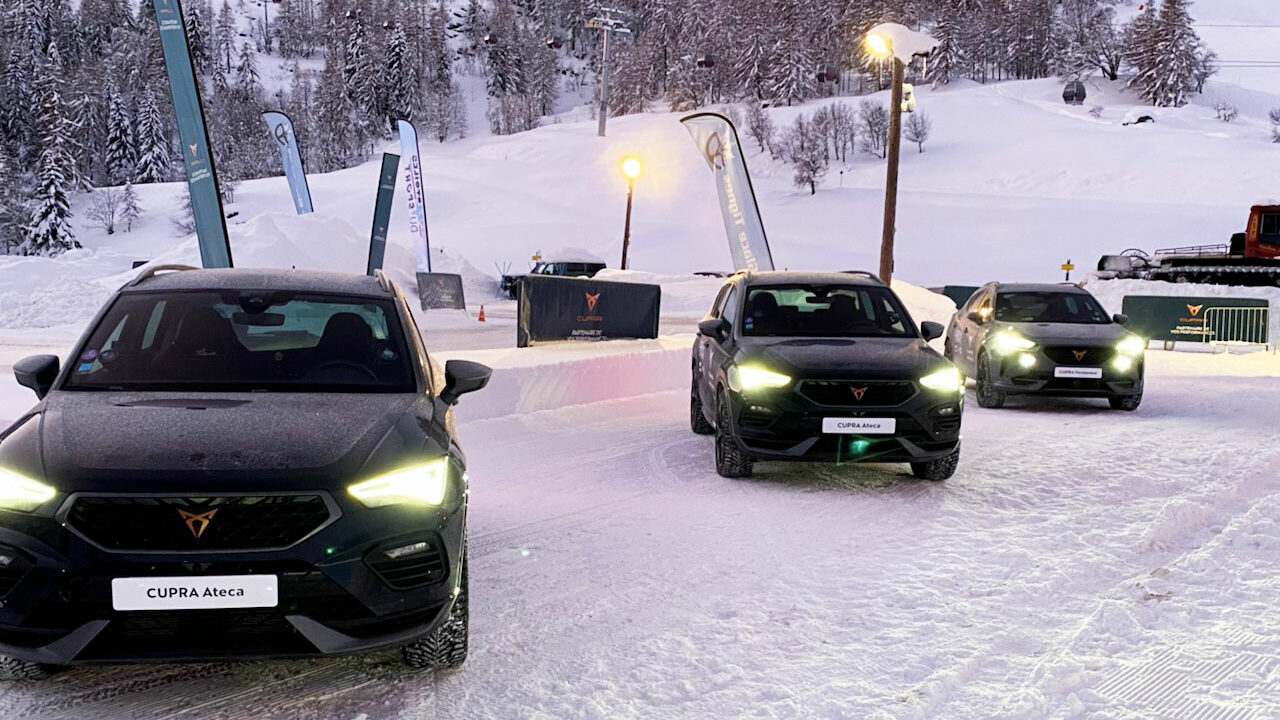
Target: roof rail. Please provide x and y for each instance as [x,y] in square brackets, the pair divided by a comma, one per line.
[384,282]
[156,270]
[871,275]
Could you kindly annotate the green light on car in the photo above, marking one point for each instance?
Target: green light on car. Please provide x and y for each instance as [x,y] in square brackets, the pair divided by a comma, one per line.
[947,379]
[423,484]
[1132,345]
[747,378]
[21,493]
[1008,342]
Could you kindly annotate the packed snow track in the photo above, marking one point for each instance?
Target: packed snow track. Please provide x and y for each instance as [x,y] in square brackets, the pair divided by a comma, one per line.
[1082,563]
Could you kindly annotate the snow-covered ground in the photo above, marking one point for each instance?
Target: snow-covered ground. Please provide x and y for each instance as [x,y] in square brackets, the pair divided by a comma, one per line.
[1083,563]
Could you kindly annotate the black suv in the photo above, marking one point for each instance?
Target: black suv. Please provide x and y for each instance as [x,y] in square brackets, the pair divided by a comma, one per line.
[236,463]
[1045,339]
[822,367]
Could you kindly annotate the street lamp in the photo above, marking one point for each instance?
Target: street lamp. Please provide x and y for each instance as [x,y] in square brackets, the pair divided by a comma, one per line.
[609,21]
[630,168]
[880,43]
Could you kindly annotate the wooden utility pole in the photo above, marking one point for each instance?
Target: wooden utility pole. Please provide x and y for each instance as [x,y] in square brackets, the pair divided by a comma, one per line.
[891,178]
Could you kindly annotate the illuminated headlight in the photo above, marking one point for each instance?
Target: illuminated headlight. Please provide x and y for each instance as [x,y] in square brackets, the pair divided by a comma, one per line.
[1123,363]
[19,492]
[1026,360]
[749,377]
[1132,345]
[1008,342]
[423,484]
[945,380]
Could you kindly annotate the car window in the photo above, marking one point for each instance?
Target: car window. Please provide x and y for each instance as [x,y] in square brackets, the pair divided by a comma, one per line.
[1270,226]
[730,310]
[717,308]
[234,341]
[1050,307]
[825,311]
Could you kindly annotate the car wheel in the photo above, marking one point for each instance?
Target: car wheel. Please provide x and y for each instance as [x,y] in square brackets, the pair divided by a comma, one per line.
[988,396]
[731,462]
[1128,403]
[15,669]
[937,470]
[446,647]
[697,420]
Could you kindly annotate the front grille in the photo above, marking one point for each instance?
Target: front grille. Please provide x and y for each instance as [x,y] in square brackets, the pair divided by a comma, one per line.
[1091,356]
[197,633]
[421,566]
[197,524]
[857,393]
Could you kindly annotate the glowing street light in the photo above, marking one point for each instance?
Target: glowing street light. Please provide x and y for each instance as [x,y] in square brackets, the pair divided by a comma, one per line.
[631,168]
[879,45]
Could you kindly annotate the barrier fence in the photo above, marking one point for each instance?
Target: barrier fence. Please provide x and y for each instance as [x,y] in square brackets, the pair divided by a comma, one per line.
[1245,325]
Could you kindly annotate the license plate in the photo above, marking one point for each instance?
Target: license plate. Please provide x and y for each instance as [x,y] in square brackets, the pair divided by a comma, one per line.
[1083,373]
[859,426]
[208,592]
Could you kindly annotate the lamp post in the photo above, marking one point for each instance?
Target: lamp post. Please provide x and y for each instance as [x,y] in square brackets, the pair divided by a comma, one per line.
[882,47]
[631,168]
[607,22]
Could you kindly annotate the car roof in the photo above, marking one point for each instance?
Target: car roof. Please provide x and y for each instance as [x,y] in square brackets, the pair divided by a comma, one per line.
[1040,287]
[799,277]
[318,281]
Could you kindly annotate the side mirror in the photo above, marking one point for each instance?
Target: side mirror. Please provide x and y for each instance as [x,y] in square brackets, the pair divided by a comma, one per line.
[37,372]
[462,377]
[931,330]
[976,316]
[717,328]
[1120,319]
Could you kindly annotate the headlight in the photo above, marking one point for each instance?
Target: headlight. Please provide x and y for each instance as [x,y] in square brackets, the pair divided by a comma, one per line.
[1132,345]
[423,484]
[748,377]
[1008,341]
[947,379]
[19,492]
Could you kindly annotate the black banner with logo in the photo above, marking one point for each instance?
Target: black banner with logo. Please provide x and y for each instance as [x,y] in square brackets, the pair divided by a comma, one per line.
[441,291]
[1196,319]
[555,308]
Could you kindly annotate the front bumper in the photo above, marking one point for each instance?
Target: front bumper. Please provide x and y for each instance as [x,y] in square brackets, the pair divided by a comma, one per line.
[786,425]
[337,592]
[1041,378]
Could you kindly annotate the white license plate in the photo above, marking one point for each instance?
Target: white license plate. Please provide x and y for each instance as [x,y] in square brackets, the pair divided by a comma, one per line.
[859,426]
[1082,373]
[207,592]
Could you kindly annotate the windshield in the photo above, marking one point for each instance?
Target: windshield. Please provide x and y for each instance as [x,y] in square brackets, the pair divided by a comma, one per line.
[236,341]
[824,311]
[1049,307]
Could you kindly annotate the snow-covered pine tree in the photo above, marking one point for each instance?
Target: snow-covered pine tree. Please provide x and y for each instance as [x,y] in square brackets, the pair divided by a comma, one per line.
[154,156]
[360,79]
[130,210]
[400,77]
[332,145]
[198,39]
[48,230]
[631,83]
[947,60]
[470,24]
[122,148]
[224,36]
[792,74]
[1166,55]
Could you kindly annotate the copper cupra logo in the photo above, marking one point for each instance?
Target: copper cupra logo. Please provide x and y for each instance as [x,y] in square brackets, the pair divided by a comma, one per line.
[197,523]
[591,301]
[1195,309]
[1079,354]
[858,393]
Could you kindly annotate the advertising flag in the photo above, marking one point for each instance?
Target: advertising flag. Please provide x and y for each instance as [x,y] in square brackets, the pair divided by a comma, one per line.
[202,178]
[382,211]
[281,129]
[413,183]
[717,140]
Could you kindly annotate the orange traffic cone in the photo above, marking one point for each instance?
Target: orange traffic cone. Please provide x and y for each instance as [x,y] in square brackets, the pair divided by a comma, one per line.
[481,318]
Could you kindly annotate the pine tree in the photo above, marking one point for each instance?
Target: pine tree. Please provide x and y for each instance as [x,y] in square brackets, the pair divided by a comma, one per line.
[224,37]
[154,157]
[332,144]
[792,78]
[122,149]
[1167,55]
[401,78]
[197,37]
[48,231]
[130,210]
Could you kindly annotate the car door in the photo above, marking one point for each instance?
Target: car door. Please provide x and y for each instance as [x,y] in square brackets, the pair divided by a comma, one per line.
[969,337]
[707,350]
[977,336]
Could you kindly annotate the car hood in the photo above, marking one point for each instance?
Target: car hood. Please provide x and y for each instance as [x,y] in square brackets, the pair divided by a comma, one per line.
[1069,333]
[849,358]
[119,441]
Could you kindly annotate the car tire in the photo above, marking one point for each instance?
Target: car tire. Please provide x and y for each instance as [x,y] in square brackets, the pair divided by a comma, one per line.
[731,462]
[937,470]
[988,397]
[15,669]
[446,646]
[1128,403]
[697,419]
